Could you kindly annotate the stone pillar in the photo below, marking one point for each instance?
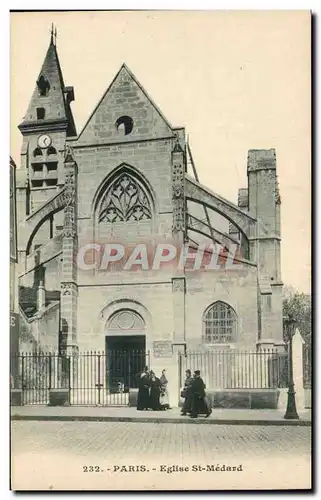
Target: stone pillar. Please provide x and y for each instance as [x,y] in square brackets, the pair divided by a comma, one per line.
[179,341]
[267,324]
[41,296]
[283,399]
[297,363]
[22,183]
[297,360]
[179,229]
[36,330]
[178,194]
[264,204]
[175,377]
[243,203]
[69,288]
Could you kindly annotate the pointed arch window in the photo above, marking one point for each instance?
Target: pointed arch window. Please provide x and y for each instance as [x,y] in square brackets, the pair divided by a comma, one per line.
[125,200]
[220,322]
[51,151]
[37,152]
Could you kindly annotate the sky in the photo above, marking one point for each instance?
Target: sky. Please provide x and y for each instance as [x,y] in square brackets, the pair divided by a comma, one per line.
[235,80]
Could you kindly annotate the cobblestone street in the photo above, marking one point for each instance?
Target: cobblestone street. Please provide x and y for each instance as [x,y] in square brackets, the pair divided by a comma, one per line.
[55,455]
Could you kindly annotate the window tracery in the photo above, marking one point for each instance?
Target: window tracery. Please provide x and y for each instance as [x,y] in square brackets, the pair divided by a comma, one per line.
[220,324]
[125,201]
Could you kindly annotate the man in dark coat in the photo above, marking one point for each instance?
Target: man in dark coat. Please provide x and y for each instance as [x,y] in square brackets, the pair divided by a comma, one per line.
[198,402]
[143,390]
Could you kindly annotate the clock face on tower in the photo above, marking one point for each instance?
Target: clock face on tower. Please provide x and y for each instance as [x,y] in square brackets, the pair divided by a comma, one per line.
[44,141]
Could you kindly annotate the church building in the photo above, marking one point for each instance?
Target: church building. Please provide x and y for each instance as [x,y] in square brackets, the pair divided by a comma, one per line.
[125,188]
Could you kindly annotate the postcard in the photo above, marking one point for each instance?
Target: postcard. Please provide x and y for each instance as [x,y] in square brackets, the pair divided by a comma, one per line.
[160,214]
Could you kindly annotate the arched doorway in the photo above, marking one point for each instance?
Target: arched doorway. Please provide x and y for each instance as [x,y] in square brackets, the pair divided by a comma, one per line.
[125,349]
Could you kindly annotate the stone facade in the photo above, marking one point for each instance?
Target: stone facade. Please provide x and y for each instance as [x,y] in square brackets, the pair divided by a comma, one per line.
[124,180]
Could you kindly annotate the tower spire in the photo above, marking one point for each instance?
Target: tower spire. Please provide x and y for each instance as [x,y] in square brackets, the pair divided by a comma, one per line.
[53,35]
[50,101]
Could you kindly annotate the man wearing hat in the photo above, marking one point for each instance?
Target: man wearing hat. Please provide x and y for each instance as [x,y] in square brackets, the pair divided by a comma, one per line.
[199,404]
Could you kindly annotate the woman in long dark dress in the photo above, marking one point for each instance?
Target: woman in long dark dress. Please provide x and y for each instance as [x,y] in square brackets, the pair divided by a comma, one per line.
[155,390]
[186,393]
[143,399]
[199,403]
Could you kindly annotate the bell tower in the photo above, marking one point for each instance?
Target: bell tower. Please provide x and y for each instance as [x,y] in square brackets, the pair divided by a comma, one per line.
[46,126]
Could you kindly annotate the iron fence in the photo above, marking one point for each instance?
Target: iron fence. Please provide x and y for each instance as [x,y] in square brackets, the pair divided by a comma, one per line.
[229,369]
[105,378]
[92,378]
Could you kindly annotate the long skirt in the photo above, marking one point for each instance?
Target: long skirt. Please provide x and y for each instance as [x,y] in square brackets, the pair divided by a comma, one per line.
[154,403]
[199,405]
[143,398]
[164,400]
[187,405]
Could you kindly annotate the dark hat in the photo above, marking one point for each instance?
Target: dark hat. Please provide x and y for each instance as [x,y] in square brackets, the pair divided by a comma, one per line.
[197,372]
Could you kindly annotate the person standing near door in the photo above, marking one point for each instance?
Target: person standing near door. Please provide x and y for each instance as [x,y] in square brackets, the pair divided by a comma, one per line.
[143,399]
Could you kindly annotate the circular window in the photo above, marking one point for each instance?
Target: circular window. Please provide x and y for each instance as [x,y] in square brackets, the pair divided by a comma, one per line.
[125,320]
[125,124]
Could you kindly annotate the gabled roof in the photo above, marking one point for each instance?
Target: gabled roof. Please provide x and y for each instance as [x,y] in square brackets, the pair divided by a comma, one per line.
[125,96]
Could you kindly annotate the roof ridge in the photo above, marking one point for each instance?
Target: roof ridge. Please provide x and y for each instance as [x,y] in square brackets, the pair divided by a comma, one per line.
[133,77]
[146,94]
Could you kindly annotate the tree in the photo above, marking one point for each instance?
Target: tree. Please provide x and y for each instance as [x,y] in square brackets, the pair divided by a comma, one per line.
[298,306]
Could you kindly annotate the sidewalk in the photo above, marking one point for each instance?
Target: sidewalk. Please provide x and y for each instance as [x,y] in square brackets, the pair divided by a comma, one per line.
[129,414]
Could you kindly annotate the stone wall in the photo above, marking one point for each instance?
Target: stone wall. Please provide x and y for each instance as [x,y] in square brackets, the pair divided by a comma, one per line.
[95,305]
[127,132]
[236,288]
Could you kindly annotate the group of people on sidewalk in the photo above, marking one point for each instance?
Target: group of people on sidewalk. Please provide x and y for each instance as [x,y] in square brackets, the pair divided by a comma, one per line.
[195,402]
[152,391]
